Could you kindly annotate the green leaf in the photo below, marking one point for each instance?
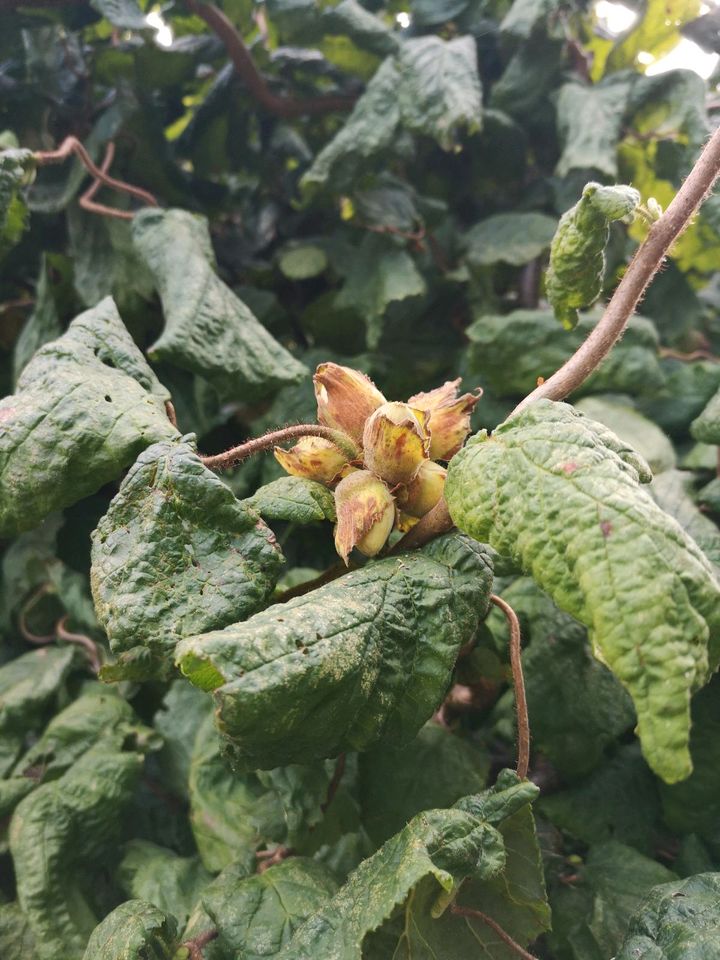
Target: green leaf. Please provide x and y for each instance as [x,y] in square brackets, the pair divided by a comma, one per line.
[635,430]
[16,939]
[302,262]
[294,499]
[61,830]
[619,800]
[381,273]
[332,670]
[97,714]
[430,86]
[135,930]
[706,427]
[177,554]
[515,898]
[560,495]
[208,330]
[445,845]
[16,171]
[42,325]
[159,876]
[514,238]
[125,14]
[676,921]
[577,707]
[86,405]
[525,15]
[575,276]
[432,771]
[29,686]
[688,388]
[257,915]
[590,124]
[181,714]
[508,353]
[693,805]
[673,491]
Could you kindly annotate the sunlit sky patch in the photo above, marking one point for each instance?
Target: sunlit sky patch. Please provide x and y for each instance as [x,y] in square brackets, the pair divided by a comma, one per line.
[163,31]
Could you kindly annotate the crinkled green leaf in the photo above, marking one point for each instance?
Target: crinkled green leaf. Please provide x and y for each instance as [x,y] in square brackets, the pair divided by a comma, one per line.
[177,554]
[515,898]
[673,491]
[208,329]
[590,123]
[136,930]
[693,806]
[42,325]
[85,406]
[509,353]
[514,238]
[365,658]
[61,831]
[161,877]
[29,686]
[619,800]
[381,273]
[577,255]
[432,771]
[98,713]
[257,915]
[525,15]
[687,389]
[635,430]
[294,499]
[16,939]
[577,706]
[430,86]
[16,171]
[445,845]
[560,494]
[676,921]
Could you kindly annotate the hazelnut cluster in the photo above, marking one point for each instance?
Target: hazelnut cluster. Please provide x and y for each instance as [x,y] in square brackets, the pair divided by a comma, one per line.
[396,479]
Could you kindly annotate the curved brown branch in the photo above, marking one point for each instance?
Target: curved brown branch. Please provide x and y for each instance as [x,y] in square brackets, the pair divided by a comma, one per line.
[244,64]
[72,145]
[643,267]
[495,927]
[523,722]
[87,202]
[25,631]
[170,411]
[81,640]
[223,461]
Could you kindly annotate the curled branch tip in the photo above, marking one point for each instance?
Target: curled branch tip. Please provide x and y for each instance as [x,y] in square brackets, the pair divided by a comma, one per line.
[523,722]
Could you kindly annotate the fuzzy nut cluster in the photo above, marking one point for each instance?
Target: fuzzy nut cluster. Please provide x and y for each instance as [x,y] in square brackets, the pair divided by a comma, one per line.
[396,478]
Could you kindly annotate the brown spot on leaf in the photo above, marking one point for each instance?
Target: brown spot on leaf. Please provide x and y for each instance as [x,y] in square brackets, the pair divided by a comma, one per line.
[606,528]
[569,467]
[7,413]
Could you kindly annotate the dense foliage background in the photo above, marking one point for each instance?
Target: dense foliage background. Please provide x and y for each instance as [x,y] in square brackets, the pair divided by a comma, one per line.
[381,183]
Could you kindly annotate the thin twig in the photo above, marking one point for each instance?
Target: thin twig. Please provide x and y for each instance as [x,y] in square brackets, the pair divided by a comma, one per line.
[223,461]
[666,352]
[25,631]
[334,783]
[87,202]
[327,576]
[244,64]
[494,926]
[82,640]
[195,946]
[643,267]
[71,145]
[269,858]
[523,723]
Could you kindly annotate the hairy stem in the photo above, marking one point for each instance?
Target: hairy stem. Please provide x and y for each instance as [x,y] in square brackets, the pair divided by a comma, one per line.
[196,945]
[523,722]
[244,64]
[222,461]
[643,267]
[91,649]
[495,926]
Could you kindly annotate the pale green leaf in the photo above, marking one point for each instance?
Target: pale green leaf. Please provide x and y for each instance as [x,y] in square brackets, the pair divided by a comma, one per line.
[294,499]
[590,123]
[136,930]
[560,495]
[160,876]
[514,238]
[635,430]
